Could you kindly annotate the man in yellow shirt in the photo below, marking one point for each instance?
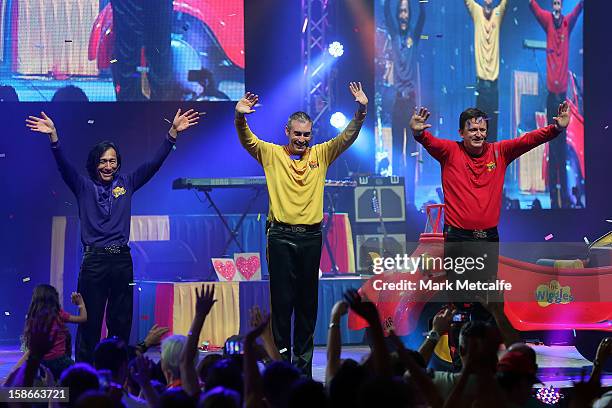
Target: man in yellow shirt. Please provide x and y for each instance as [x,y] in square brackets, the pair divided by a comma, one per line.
[295,176]
[487,23]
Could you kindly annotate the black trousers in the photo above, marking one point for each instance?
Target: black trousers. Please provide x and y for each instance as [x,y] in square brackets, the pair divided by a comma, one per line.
[403,108]
[104,278]
[137,24]
[293,264]
[487,101]
[557,157]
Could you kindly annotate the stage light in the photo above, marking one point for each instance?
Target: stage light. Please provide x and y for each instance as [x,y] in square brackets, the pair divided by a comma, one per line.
[335,49]
[338,120]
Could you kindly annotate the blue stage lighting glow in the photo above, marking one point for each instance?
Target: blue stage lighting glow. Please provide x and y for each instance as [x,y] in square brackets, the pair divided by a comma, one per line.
[338,120]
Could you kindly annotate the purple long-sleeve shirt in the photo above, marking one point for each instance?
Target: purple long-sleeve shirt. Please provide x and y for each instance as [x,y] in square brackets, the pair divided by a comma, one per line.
[105,209]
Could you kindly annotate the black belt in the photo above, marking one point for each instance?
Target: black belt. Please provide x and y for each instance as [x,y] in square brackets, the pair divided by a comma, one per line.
[110,249]
[480,234]
[295,227]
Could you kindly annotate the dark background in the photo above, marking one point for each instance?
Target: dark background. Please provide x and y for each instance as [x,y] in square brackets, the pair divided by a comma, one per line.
[32,190]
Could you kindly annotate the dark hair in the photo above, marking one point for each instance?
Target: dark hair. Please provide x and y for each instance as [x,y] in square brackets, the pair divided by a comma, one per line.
[471,113]
[473,329]
[111,354]
[93,159]
[80,378]
[8,94]
[219,397]
[277,380]
[44,305]
[206,364]
[300,117]
[306,393]
[176,397]
[70,93]
[225,373]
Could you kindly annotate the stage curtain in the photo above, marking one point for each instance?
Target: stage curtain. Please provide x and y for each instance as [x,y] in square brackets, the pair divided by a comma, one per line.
[223,320]
[150,228]
[53,35]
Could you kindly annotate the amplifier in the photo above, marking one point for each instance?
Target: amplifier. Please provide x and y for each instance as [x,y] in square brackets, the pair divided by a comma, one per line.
[388,194]
[377,244]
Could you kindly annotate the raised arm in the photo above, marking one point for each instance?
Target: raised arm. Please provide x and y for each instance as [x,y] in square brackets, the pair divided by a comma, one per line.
[334,341]
[189,376]
[390,19]
[146,170]
[248,140]
[438,148]
[45,125]
[501,8]
[77,300]
[418,29]
[573,16]
[257,318]
[333,148]
[538,12]
[511,149]
[253,387]
[440,325]
[472,7]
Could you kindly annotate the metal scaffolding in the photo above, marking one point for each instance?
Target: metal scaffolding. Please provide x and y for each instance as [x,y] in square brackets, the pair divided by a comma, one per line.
[317,91]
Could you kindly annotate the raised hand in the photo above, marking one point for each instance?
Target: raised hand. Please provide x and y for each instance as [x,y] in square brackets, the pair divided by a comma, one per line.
[76,299]
[442,320]
[563,116]
[141,370]
[365,309]
[259,330]
[205,300]
[185,120]
[42,125]
[357,91]
[340,309]
[155,335]
[604,351]
[418,121]
[246,104]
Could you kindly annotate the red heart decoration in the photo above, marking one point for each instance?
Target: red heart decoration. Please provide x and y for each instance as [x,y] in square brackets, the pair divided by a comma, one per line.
[247,267]
[226,269]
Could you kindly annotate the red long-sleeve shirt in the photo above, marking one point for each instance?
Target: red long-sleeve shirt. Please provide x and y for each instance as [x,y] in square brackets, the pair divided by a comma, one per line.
[557,45]
[473,185]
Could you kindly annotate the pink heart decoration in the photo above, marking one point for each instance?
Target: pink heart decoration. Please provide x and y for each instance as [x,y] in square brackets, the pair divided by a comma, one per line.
[226,269]
[247,267]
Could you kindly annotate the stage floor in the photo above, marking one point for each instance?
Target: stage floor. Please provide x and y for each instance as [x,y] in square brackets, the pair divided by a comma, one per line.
[558,365]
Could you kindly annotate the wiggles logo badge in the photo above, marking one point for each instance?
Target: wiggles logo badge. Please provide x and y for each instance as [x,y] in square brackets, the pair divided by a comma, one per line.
[491,166]
[118,191]
[553,293]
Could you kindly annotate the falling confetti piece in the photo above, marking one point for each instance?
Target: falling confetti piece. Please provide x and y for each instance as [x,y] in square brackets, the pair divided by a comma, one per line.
[132,283]
[470,87]
[608,220]
[68,41]
[232,15]
[515,8]
[452,67]
[441,121]
[414,154]
[113,61]
[606,127]
[420,161]
[439,35]
[258,217]
[2,155]
[201,113]
[90,121]
[549,237]
[68,203]
[476,93]
[515,21]
[424,37]
[222,23]
[7,313]
[423,1]
[283,350]
[139,289]
[167,121]
[26,279]
[586,240]
[107,32]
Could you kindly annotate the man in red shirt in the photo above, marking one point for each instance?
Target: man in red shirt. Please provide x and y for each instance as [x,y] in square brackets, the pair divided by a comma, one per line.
[558,29]
[473,172]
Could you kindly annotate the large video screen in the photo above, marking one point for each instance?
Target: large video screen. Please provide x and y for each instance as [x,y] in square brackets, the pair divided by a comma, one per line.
[516,60]
[121,50]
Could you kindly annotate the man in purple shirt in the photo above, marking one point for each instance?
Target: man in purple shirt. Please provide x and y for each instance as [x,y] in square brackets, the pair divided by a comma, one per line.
[104,199]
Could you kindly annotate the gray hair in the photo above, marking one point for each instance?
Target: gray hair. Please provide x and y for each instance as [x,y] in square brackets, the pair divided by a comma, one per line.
[171,349]
[300,117]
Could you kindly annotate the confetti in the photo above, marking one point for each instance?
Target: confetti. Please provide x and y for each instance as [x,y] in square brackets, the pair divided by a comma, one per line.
[258,217]
[476,93]
[68,203]
[68,41]
[424,37]
[139,289]
[439,35]
[7,313]
[549,237]
[132,283]
[90,121]
[441,121]
[113,61]
[470,87]
[515,21]
[608,220]
[167,121]
[515,8]
[606,127]
[26,279]
[2,155]
[107,32]
[423,1]
[201,113]
[420,161]
[222,23]
[283,350]
[414,154]
[232,15]
[452,67]
[586,240]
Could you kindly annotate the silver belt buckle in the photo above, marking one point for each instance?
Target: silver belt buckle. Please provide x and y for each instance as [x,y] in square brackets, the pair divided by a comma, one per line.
[480,234]
[297,228]
[113,249]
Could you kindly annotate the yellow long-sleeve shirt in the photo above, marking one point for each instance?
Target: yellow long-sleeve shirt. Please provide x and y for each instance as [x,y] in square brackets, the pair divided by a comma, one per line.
[486,38]
[295,187]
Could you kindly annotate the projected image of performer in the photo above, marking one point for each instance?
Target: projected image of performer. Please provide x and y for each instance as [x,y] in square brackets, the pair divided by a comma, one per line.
[104,199]
[473,172]
[558,30]
[405,40]
[138,24]
[295,176]
[487,24]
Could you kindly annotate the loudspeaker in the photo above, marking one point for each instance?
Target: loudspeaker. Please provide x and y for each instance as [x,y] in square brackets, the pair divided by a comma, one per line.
[389,246]
[384,194]
[171,260]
